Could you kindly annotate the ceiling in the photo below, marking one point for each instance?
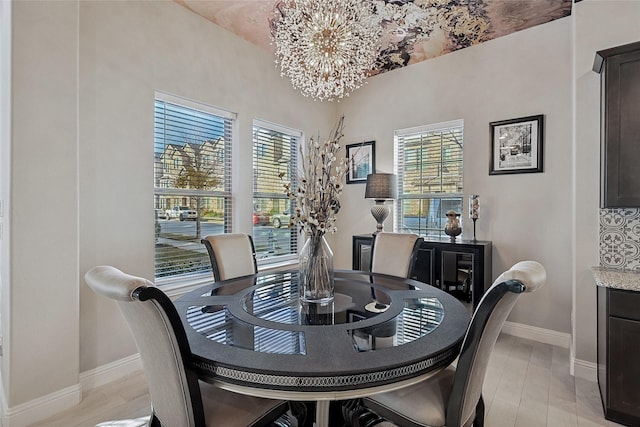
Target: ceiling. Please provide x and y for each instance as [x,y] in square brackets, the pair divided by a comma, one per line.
[413,30]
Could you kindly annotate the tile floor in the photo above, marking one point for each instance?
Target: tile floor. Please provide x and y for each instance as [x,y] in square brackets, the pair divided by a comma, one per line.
[527,385]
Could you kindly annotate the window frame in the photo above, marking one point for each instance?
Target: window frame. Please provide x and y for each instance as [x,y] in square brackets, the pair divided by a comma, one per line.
[278,260]
[182,281]
[400,137]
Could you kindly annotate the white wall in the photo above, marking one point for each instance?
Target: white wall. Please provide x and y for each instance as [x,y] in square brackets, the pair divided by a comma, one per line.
[41,348]
[527,216]
[84,77]
[599,24]
[128,50]
[5,167]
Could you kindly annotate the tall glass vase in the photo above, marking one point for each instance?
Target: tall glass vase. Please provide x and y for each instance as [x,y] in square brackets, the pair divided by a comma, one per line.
[316,270]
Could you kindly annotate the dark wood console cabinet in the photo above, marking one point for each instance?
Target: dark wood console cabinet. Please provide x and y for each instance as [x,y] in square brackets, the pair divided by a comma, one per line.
[618,343]
[620,128]
[462,268]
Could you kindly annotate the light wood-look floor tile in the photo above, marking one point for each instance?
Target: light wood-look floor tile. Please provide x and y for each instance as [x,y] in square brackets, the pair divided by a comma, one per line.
[527,385]
[127,398]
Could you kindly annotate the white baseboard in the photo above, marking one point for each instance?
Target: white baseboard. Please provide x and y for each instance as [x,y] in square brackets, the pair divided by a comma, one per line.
[534,333]
[46,406]
[585,370]
[42,407]
[578,368]
[110,372]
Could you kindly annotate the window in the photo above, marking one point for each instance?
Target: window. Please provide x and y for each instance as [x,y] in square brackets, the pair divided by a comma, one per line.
[192,183]
[275,154]
[428,163]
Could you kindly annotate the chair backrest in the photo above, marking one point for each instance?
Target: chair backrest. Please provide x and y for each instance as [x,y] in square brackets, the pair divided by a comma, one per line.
[482,333]
[232,255]
[166,357]
[394,253]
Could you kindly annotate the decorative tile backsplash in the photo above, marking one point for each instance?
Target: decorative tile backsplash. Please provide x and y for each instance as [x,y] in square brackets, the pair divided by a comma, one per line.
[620,238]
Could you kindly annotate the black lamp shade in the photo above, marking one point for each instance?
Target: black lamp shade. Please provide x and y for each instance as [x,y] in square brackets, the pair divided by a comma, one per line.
[381,186]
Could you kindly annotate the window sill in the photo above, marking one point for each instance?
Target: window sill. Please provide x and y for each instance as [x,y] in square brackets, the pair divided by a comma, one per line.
[177,287]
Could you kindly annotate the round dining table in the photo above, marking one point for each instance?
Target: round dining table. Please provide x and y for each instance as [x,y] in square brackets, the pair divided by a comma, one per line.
[253,335]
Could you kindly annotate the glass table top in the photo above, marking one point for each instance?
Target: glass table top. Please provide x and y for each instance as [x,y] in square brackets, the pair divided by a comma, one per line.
[267,316]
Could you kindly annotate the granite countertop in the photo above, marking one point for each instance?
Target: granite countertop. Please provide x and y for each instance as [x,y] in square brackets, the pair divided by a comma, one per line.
[617,278]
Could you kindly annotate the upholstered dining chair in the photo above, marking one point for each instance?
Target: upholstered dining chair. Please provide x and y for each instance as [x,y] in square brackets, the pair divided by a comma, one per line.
[394,253]
[453,398]
[178,398]
[232,255]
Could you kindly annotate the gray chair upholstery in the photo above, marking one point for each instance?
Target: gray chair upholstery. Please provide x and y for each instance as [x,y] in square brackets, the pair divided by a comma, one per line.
[178,398]
[232,255]
[394,253]
[453,397]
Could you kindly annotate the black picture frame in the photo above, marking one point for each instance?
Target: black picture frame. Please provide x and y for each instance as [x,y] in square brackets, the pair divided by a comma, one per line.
[362,161]
[517,145]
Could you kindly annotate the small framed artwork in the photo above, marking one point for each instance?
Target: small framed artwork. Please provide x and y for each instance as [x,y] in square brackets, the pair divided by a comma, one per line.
[516,145]
[362,161]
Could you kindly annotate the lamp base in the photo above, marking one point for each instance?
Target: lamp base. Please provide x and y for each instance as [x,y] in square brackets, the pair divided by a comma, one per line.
[380,212]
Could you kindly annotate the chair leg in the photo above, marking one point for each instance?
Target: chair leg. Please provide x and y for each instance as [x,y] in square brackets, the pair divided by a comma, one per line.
[154,422]
[300,412]
[479,420]
[355,414]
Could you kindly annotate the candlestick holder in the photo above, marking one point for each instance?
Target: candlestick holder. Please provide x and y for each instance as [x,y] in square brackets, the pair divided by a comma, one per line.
[474,229]
[474,211]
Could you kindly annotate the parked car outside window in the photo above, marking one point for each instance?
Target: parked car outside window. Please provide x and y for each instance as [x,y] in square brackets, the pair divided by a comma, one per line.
[282,219]
[260,218]
[182,213]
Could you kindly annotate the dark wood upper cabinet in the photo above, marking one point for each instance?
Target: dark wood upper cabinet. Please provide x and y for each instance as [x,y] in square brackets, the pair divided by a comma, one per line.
[620,125]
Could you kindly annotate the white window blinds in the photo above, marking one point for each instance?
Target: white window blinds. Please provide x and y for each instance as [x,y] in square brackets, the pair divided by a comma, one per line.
[275,162]
[429,166]
[192,183]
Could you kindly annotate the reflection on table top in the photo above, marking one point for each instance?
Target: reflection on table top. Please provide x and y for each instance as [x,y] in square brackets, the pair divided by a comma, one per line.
[254,331]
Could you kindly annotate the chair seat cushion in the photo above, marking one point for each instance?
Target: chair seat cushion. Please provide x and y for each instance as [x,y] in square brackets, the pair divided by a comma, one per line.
[222,407]
[424,403]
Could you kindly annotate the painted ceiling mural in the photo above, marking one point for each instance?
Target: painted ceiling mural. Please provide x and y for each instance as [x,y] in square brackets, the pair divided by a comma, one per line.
[413,30]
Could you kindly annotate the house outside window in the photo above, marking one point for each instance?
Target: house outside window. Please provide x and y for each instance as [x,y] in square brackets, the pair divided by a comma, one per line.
[429,166]
[192,183]
[275,162]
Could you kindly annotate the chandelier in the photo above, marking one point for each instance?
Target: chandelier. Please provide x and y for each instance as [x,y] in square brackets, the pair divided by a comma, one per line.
[326,47]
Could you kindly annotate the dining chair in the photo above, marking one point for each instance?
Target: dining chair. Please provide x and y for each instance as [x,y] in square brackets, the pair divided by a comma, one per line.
[453,397]
[394,253]
[232,255]
[178,398]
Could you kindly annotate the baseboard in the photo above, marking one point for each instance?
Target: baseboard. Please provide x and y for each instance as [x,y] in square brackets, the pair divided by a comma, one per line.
[546,336]
[51,404]
[42,407]
[577,367]
[585,370]
[110,372]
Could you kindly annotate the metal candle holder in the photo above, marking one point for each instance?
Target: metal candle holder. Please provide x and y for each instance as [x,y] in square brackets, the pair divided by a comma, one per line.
[474,211]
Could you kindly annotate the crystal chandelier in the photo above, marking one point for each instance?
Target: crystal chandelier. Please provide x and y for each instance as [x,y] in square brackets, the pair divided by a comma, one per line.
[326,47]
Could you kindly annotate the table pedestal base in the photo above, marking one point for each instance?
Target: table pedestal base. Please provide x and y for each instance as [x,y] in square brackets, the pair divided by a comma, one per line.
[322,413]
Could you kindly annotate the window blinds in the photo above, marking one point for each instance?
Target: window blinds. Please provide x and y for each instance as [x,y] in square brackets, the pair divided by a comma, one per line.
[275,162]
[192,182]
[429,166]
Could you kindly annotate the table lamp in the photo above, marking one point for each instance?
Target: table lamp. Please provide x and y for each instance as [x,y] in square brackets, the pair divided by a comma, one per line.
[381,187]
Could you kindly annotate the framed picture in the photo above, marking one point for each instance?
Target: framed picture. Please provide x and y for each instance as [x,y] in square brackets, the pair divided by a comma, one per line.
[516,145]
[362,161]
